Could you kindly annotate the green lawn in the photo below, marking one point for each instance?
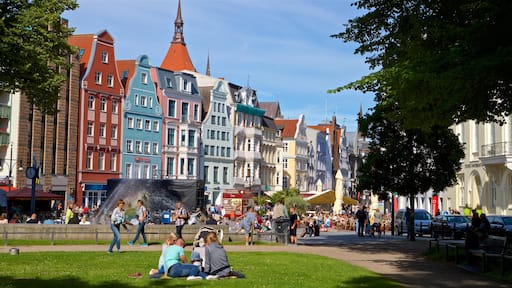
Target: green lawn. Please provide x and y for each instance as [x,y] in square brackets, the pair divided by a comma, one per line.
[99,269]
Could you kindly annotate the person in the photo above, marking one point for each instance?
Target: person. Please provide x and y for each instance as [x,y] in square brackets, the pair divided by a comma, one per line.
[484,228]
[170,240]
[116,219]
[279,211]
[361,219]
[248,225]
[69,213]
[407,216]
[32,219]
[175,263]
[216,260]
[294,223]
[475,221]
[377,220]
[84,220]
[181,217]
[142,215]
[3,219]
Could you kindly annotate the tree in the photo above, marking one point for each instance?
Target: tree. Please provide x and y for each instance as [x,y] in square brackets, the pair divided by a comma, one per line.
[33,47]
[407,160]
[443,61]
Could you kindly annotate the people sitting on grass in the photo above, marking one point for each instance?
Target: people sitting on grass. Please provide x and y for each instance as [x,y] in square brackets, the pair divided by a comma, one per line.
[171,240]
[175,263]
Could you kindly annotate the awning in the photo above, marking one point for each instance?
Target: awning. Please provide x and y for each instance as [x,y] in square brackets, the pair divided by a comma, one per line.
[350,201]
[325,197]
[26,194]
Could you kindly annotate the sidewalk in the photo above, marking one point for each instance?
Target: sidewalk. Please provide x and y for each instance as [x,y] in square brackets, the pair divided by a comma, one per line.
[392,257]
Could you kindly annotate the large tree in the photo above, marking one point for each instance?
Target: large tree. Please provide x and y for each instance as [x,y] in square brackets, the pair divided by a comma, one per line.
[407,160]
[33,48]
[444,61]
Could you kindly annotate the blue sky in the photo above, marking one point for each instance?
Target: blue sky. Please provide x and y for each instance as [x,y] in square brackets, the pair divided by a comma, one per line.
[281,48]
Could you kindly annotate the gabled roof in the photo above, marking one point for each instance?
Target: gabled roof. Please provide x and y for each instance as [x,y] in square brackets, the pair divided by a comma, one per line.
[125,68]
[272,109]
[84,44]
[289,127]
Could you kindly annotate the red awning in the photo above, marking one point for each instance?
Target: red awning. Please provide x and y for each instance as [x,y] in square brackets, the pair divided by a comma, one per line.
[26,194]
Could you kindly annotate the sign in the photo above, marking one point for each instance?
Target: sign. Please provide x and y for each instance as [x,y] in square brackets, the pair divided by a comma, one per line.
[435,204]
[3,198]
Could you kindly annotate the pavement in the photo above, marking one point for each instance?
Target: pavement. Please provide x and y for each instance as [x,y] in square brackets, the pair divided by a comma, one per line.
[390,256]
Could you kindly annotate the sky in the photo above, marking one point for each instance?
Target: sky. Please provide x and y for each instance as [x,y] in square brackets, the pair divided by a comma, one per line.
[280,48]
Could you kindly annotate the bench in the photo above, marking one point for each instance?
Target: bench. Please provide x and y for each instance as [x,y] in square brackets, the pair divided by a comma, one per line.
[494,247]
[456,245]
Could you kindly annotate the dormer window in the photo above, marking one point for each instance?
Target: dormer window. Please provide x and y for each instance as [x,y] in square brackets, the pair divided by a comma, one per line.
[185,85]
[168,82]
[104,57]
[144,77]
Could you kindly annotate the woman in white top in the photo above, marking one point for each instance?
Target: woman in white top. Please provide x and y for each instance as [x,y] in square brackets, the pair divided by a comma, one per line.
[116,220]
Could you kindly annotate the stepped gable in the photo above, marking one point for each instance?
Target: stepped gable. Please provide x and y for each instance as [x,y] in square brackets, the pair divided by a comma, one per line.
[177,57]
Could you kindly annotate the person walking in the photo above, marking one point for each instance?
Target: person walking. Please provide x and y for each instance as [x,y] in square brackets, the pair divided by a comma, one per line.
[361,220]
[142,214]
[181,216]
[116,220]
[294,224]
[248,225]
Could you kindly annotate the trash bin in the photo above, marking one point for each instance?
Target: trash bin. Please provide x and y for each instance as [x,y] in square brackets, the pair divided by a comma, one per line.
[166,217]
[282,226]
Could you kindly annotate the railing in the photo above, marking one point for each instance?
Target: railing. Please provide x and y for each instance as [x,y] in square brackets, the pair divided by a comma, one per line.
[496,149]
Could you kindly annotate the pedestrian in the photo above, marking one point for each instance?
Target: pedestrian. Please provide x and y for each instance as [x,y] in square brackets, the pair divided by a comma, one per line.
[69,213]
[142,215]
[116,219]
[181,217]
[248,225]
[294,224]
[361,217]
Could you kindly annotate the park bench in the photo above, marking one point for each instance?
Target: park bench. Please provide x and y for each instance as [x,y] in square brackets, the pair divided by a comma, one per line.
[457,246]
[493,247]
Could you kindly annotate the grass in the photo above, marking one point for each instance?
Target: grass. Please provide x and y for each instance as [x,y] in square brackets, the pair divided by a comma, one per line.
[99,269]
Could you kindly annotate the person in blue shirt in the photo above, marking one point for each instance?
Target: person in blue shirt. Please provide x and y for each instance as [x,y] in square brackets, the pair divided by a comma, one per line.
[248,224]
[175,263]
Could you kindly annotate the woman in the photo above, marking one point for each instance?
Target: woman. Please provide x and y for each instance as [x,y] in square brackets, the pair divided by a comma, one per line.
[294,223]
[116,220]
[216,259]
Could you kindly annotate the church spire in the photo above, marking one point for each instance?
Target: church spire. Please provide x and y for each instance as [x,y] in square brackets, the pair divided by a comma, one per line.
[178,27]
[208,65]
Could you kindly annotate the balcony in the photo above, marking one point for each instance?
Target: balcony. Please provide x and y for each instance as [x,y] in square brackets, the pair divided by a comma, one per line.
[248,155]
[496,153]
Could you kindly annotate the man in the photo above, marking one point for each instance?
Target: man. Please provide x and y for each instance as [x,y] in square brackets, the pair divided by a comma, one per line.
[32,219]
[361,219]
[181,216]
[248,224]
[142,214]
[175,263]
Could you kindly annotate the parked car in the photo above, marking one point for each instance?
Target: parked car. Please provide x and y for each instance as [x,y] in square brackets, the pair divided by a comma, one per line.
[453,226]
[500,225]
[422,220]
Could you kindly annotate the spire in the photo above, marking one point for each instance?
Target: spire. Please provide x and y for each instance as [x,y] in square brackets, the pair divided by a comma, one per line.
[177,57]
[178,27]
[360,110]
[208,65]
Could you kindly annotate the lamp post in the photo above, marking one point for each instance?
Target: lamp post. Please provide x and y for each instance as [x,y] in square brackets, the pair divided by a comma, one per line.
[10,172]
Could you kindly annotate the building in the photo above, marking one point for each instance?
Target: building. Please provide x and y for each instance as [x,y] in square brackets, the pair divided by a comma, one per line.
[295,153]
[142,121]
[319,160]
[100,117]
[272,170]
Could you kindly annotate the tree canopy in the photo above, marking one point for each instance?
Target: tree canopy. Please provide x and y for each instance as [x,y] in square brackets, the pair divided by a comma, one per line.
[33,48]
[443,62]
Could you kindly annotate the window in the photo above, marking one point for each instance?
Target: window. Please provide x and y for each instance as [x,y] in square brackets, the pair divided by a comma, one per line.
[110,80]
[113,132]
[285,163]
[185,85]
[155,148]
[104,57]
[103,106]
[196,112]
[206,147]
[139,123]
[223,151]
[190,166]
[223,135]
[129,170]
[90,128]
[114,106]
[143,101]
[156,126]
[102,129]
[138,146]
[182,166]
[249,145]
[184,112]
[144,77]
[191,138]
[97,78]
[183,137]
[150,102]
[277,178]
[212,150]
[214,120]
[130,122]
[101,160]
[146,147]
[170,166]
[113,157]
[88,162]
[147,125]
[171,107]
[206,180]
[223,121]
[225,175]
[171,136]
[216,175]
[285,147]
[129,145]
[90,103]
[136,171]
[136,99]
[228,152]
[212,134]
[168,82]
